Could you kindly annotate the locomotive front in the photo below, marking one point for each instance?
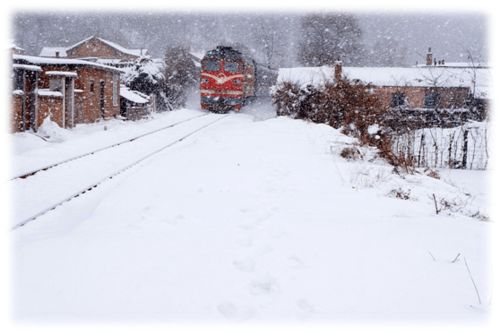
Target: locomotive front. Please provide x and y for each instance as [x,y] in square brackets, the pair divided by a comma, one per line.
[227,80]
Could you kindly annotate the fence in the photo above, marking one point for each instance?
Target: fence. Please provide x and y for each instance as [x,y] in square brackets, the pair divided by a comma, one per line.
[464,147]
[138,112]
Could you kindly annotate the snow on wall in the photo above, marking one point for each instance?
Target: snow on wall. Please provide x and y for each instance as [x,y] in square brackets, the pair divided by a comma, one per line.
[45,92]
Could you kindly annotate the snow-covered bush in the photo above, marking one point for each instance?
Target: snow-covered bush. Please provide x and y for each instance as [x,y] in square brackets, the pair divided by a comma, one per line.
[348,105]
[344,104]
[399,193]
[352,107]
[286,98]
[146,76]
[351,153]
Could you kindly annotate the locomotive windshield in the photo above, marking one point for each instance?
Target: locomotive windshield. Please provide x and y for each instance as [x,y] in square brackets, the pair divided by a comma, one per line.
[231,67]
[212,65]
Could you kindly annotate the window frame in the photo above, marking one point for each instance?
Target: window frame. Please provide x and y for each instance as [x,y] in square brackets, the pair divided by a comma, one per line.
[431,99]
[211,61]
[231,63]
[18,80]
[398,99]
[56,84]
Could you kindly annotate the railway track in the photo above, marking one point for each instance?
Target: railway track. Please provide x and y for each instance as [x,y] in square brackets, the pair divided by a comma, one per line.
[50,166]
[110,175]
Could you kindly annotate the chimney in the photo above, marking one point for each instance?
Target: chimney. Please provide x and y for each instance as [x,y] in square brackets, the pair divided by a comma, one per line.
[428,59]
[338,70]
[57,54]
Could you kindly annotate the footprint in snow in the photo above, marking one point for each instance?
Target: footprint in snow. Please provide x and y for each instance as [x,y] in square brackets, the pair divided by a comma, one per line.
[245,242]
[295,262]
[264,287]
[305,306]
[245,265]
[232,312]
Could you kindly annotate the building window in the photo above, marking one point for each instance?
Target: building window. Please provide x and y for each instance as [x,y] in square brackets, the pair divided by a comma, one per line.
[431,99]
[115,90]
[398,99]
[18,83]
[55,84]
[91,85]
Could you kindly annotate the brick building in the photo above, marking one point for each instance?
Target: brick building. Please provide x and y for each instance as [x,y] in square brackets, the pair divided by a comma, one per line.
[24,96]
[430,93]
[97,49]
[71,91]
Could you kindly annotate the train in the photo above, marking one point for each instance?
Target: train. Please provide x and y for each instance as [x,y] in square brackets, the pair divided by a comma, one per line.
[229,80]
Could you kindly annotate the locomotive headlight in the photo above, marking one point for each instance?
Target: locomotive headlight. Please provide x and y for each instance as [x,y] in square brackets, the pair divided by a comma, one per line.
[204,80]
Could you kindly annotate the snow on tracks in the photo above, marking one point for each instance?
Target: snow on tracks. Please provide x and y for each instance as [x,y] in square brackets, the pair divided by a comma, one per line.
[32,196]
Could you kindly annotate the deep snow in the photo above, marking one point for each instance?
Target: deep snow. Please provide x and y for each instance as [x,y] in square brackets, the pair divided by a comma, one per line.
[252,219]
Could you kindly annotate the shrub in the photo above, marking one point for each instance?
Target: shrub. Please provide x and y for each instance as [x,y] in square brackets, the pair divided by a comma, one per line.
[286,98]
[399,193]
[351,153]
[432,173]
[347,105]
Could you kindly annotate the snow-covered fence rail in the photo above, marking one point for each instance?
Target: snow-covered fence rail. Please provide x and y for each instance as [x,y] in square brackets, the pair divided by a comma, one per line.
[464,147]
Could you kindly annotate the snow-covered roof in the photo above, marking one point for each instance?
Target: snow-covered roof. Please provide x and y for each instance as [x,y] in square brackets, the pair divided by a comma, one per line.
[13,45]
[51,51]
[391,76]
[133,52]
[45,92]
[60,61]
[80,42]
[27,67]
[458,64]
[108,61]
[133,96]
[197,56]
[61,73]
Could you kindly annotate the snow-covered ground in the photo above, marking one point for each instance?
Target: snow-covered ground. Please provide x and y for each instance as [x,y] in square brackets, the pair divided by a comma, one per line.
[252,219]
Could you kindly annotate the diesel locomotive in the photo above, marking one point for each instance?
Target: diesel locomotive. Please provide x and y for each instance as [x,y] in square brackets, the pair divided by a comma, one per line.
[228,80]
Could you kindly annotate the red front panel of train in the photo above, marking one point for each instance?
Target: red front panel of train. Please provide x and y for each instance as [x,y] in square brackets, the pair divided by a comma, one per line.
[221,84]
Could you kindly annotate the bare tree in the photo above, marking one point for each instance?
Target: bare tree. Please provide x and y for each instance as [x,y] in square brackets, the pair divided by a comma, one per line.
[388,51]
[326,38]
[180,75]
